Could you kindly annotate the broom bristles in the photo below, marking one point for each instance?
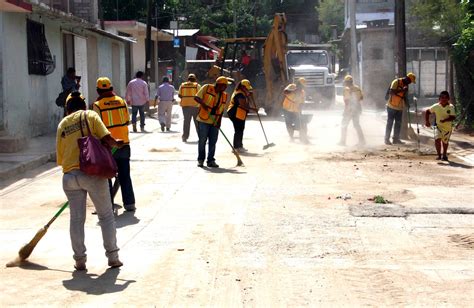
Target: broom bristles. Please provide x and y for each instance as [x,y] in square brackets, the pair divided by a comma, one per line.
[26,250]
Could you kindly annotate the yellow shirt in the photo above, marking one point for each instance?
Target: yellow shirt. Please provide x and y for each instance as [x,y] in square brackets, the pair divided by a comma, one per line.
[352,98]
[443,113]
[67,149]
[397,101]
[214,101]
[187,91]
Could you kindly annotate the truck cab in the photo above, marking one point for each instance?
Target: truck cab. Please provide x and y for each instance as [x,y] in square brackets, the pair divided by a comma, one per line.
[313,63]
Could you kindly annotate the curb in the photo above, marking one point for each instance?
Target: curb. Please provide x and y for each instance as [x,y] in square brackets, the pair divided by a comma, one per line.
[28,165]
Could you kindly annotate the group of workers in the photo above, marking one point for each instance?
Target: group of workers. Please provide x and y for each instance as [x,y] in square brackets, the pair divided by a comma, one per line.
[108,121]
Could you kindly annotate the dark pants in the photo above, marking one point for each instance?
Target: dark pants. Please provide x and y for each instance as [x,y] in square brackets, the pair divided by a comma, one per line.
[294,121]
[239,126]
[189,113]
[393,115]
[140,109]
[207,131]
[122,158]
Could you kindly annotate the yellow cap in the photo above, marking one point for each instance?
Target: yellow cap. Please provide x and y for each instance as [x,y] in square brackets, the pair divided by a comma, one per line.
[348,78]
[104,83]
[412,77]
[191,76]
[290,87]
[246,83]
[222,80]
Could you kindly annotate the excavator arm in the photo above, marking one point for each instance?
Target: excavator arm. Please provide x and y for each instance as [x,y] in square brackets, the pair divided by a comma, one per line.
[274,60]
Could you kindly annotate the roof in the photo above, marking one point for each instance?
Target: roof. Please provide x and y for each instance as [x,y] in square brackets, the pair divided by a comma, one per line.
[362,18]
[136,29]
[182,32]
[112,35]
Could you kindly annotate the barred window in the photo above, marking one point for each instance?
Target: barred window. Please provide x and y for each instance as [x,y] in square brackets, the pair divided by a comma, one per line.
[40,60]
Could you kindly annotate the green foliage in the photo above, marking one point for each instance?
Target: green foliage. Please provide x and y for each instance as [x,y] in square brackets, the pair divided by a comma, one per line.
[440,18]
[331,12]
[380,199]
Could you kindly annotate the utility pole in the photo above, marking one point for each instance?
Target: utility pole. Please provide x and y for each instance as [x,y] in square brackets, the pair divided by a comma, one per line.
[354,64]
[148,40]
[234,6]
[400,33]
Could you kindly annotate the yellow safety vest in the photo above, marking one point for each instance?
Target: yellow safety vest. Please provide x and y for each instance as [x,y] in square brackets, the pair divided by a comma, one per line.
[186,92]
[114,113]
[241,112]
[210,99]
[396,101]
[292,101]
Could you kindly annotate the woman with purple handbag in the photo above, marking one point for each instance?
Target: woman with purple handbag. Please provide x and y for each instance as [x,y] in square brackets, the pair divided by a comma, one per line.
[83,150]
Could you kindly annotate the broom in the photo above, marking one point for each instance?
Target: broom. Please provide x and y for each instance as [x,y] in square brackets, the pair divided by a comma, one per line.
[410,131]
[264,134]
[26,250]
[239,161]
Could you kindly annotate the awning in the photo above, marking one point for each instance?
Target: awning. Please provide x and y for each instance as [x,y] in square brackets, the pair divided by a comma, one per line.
[182,32]
[17,6]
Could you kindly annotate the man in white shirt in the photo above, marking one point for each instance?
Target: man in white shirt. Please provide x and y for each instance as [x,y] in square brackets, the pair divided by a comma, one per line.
[137,96]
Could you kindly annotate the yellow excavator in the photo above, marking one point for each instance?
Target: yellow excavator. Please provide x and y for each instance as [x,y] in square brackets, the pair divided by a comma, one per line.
[266,69]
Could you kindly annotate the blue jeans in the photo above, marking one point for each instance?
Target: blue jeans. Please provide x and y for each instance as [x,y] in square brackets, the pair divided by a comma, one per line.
[393,115]
[140,109]
[76,186]
[122,158]
[207,131]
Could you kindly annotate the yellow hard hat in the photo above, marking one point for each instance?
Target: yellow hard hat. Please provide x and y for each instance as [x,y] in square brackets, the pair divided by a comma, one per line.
[104,83]
[412,77]
[223,80]
[191,76]
[348,78]
[302,81]
[246,84]
[290,87]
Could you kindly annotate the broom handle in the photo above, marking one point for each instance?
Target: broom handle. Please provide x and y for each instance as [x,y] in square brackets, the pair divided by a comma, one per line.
[57,214]
[65,205]
[258,115]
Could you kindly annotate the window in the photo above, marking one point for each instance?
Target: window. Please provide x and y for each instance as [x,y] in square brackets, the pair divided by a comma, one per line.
[40,61]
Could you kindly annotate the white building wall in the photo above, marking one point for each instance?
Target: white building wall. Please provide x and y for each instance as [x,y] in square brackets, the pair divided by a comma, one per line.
[28,101]
[29,108]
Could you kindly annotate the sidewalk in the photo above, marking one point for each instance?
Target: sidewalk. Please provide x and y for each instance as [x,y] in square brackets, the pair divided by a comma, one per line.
[40,150]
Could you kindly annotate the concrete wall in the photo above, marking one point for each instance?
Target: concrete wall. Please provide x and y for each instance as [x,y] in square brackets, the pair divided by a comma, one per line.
[29,108]
[378,65]
[28,101]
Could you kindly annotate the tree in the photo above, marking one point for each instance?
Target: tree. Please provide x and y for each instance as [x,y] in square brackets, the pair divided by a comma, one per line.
[449,22]
[331,12]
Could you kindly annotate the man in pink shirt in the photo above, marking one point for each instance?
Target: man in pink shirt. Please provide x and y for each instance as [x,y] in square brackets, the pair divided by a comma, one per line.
[137,96]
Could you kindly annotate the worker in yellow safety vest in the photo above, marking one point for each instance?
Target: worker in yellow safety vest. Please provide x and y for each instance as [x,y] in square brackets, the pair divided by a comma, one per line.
[237,111]
[212,99]
[294,97]
[114,113]
[187,91]
[352,96]
[396,103]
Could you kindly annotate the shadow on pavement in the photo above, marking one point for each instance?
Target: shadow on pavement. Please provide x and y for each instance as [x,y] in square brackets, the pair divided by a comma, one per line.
[455,164]
[222,170]
[97,285]
[126,219]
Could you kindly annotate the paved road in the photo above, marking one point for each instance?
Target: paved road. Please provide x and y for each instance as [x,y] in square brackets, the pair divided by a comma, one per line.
[294,227]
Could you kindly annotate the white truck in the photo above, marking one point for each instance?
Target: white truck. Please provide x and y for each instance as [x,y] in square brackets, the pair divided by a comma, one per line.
[314,62]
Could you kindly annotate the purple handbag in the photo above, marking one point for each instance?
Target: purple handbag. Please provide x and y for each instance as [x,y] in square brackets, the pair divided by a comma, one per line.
[95,158]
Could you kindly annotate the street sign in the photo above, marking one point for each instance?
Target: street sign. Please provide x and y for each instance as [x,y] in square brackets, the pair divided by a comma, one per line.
[176,42]
[174,25]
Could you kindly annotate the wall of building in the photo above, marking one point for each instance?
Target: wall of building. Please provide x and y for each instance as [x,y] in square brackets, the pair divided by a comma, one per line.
[29,108]
[28,101]
[378,65]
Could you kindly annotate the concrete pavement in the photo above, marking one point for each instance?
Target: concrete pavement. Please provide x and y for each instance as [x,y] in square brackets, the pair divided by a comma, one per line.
[42,149]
